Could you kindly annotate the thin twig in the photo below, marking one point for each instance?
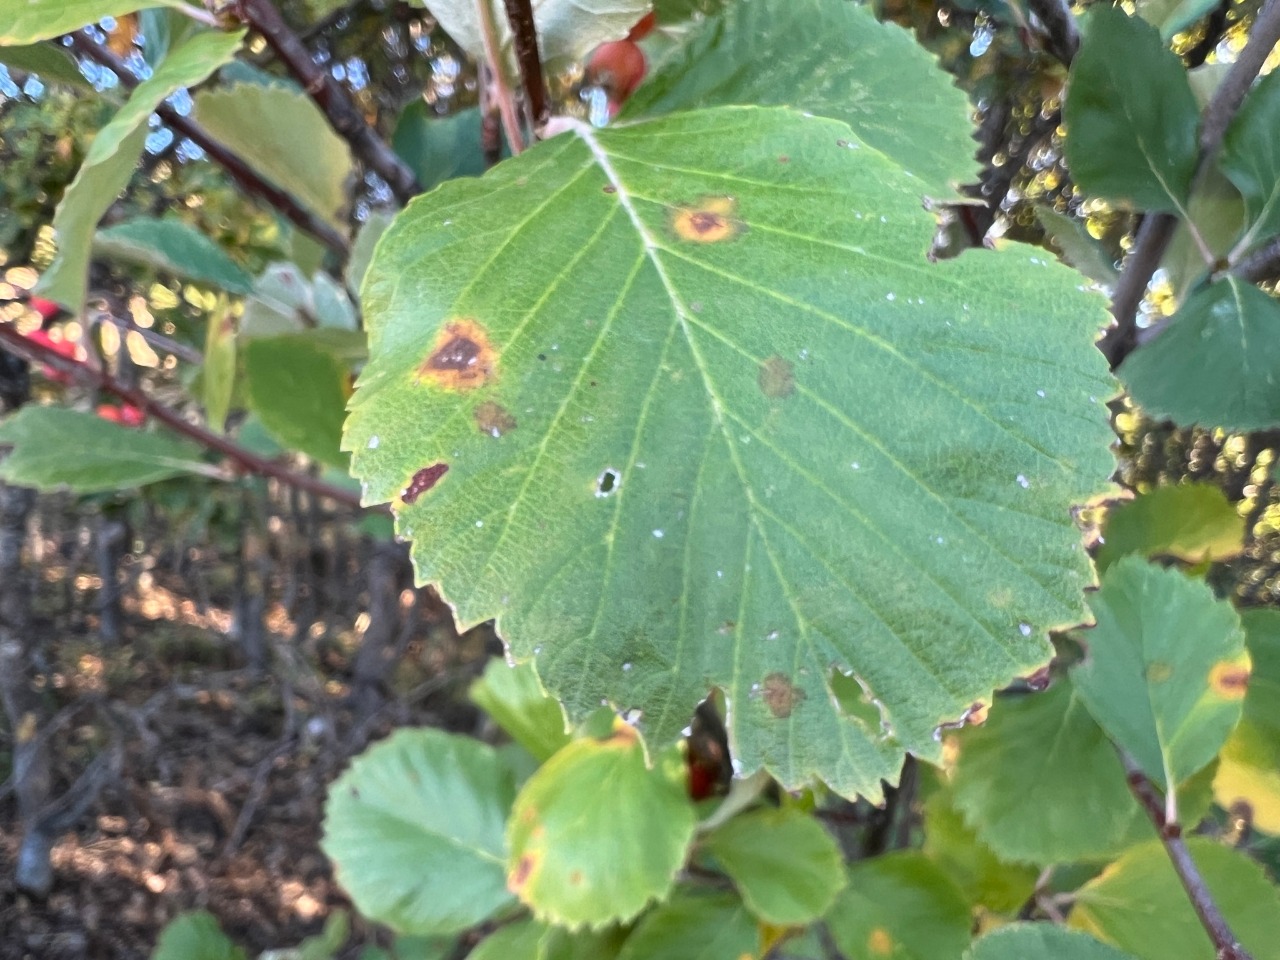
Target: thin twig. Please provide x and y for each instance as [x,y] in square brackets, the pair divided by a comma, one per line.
[331,97]
[247,461]
[1157,230]
[241,172]
[495,83]
[525,37]
[1211,918]
[1262,264]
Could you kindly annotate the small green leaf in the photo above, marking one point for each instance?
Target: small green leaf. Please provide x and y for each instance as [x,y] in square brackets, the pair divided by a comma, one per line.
[265,125]
[195,936]
[899,905]
[1218,364]
[786,866]
[1131,117]
[172,247]
[218,376]
[953,845]
[111,159]
[1139,905]
[1217,211]
[55,448]
[596,834]
[1249,158]
[1040,782]
[831,58]
[414,829]
[26,21]
[692,461]
[1194,522]
[514,697]
[299,391]
[285,301]
[1076,247]
[439,148]
[53,63]
[695,926]
[1166,669]
[1041,941]
[1249,770]
[1171,17]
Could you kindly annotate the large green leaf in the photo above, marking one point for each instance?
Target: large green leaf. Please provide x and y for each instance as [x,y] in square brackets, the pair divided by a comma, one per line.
[1194,522]
[195,936]
[173,247]
[834,59]
[1218,364]
[112,156]
[414,829]
[596,834]
[1131,117]
[786,866]
[1139,904]
[515,699]
[283,136]
[26,21]
[1166,669]
[697,926]
[1249,158]
[299,391]
[1041,783]
[1041,941]
[899,905]
[55,448]
[1249,770]
[643,374]
[567,29]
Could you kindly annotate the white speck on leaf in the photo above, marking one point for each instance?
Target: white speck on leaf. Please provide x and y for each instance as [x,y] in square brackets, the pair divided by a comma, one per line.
[373,442]
[658,534]
[1024,629]
[1023,482]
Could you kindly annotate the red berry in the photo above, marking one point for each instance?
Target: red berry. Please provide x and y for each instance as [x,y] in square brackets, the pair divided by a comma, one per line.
[63,348]
[46,308]
[109,412]
[644,26]
[131,416]
[618,67]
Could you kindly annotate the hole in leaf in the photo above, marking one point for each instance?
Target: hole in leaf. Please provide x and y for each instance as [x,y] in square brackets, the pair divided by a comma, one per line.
[608,481]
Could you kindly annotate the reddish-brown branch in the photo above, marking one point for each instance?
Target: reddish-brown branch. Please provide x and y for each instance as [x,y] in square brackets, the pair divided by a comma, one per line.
[245,460]
[1211,918]
[1157,230]
[330,96]
[525,37]
[243,174]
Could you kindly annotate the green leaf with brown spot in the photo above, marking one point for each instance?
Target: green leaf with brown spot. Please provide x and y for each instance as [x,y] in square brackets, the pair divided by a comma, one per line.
[1249,771]
[1166,668]
[596,834]
[627,395]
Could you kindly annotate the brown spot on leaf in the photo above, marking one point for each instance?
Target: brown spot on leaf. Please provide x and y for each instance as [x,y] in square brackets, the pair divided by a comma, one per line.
[423,480]
[461,359]
[710,220]
[1229,679]
[880,942]
[1158,671]
[493,419]
[520,875]
[575,878]
[777,377]
[610,188]
[781,695]
[623,735]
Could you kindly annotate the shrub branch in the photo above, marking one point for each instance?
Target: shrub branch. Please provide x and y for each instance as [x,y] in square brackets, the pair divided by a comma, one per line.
[247,461]
[1211,918]
[1157,230]
[242,173]
[525,37]
[330,96]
